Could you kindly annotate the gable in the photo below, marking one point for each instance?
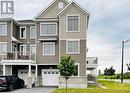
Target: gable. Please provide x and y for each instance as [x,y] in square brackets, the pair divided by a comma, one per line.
[52,10]
[76,5]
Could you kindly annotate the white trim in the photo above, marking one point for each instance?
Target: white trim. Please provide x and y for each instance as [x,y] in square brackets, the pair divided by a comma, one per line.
[5,23]
[78,46]
[54,48]
[77,5]
[49,64]
[33,46]
[31,31]
[49,34]
[6,46]
[73,38]
[78,64]
[25,32]
[60,5]
[78,23]
[25,48]
[49,6]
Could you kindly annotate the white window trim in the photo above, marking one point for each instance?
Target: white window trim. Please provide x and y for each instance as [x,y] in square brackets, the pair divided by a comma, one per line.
[6,46]
[60,5]
[25,48]
[31,46]
[25,32]
[6,28]
[30,32]
[78,46]
[47,34]
[53,49]
[78,23]
[78,64]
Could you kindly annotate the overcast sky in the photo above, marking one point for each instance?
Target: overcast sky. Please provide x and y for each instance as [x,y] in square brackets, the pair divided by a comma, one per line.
[109,24]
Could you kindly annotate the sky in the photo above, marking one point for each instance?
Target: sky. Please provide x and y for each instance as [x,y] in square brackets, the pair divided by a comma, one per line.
[109,24]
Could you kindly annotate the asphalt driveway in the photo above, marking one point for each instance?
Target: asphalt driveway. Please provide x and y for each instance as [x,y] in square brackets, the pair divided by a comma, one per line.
[33,90]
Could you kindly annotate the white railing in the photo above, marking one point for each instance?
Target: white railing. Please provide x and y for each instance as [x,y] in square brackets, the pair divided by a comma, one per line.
[17,56]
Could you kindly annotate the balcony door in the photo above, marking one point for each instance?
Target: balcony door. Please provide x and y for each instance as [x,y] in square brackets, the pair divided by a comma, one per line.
[23,49]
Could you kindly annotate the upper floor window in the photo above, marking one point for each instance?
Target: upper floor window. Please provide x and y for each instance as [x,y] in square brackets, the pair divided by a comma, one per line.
[3,47]
[33,49]
[73,23]
[23,49]
[48,29]
[3,28]
[22,32]
[32,32]
[73,46]
[60,5]
[49,48]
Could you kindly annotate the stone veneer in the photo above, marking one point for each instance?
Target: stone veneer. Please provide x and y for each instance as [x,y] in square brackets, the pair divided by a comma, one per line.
[73,82]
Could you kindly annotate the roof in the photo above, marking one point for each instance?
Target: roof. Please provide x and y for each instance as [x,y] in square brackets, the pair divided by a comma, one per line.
[77,5]
[25,22]
[49,6]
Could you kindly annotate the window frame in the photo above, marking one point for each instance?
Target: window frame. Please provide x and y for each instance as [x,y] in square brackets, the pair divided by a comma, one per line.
[31,31]
[25,32]
[34,46]
[78,52]
[54,49]
[5,48]
[60,5]
[6,28]
[48,34]
[25,49]
[78,23]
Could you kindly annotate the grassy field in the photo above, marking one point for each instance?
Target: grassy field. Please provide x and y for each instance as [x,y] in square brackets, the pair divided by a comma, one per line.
[111,87]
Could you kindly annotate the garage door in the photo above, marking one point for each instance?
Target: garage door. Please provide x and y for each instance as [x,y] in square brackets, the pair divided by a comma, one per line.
[50,77]
[23,74]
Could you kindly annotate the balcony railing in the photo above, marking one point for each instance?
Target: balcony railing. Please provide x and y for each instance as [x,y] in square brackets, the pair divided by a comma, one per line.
[17,56]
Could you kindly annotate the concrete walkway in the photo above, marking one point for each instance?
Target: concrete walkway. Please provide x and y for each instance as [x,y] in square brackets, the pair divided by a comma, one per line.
[33,90]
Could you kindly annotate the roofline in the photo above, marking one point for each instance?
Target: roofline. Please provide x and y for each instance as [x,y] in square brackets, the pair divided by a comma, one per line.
[46,8]
[79,6]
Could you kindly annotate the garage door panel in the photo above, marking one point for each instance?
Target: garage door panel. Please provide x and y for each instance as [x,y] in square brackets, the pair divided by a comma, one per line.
[50,77]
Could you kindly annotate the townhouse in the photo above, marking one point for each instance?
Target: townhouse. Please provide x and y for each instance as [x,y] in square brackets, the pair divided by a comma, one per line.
[31,49]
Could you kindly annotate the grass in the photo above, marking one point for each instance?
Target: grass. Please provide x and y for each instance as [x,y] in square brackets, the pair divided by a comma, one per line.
[111,87]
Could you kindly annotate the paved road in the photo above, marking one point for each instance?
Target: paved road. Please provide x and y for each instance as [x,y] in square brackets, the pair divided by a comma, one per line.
[33,90]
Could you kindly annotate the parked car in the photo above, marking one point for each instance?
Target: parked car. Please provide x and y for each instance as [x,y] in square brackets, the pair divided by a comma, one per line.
[11,82]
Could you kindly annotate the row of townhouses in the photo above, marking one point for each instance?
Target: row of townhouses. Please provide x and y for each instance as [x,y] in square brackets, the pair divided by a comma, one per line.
[31,49]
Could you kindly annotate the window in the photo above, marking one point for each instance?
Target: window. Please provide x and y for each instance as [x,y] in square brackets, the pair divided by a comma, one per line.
[48,48]
[3,47]
[32,32]
[72,23]
[3,28]
[33,49]
[60,5]
[73,47]
[22,32]
[23,49]
[76,72]
[48,29]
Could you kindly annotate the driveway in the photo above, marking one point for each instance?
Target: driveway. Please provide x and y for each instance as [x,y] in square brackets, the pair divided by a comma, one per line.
[33,90]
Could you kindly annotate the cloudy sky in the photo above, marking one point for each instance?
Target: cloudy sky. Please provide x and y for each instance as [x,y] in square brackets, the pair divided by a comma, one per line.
[109,24]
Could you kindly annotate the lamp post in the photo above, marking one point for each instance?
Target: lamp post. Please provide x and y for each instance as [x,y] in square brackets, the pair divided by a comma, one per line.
[123,44]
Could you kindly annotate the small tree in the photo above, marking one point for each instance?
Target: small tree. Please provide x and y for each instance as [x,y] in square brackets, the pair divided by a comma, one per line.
[110,71]
[67,68]
[128,65]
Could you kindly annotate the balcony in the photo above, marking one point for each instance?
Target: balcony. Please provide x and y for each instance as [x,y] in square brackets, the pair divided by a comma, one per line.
[92,62]
[17,56]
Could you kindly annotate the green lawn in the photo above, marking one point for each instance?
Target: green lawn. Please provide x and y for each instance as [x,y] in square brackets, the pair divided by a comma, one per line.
[111,87]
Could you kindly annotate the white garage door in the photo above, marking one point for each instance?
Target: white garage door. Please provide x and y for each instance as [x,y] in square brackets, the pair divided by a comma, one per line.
[23,74]
[50,77]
